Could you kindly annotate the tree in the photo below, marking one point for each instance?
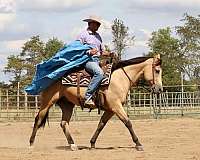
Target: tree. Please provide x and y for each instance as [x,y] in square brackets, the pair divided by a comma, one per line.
[168,47]
[189,35]
[121,37]
[52,46]
[15,66]
[33,52]
[3,85]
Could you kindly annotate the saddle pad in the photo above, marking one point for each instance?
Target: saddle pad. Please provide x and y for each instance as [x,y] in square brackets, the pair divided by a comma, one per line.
[85,78]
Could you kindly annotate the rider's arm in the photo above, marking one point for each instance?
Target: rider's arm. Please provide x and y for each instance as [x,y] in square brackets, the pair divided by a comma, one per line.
[103,51]
[81,38]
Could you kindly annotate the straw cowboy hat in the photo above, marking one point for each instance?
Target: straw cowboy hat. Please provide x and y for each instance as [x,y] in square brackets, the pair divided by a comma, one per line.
[93,19]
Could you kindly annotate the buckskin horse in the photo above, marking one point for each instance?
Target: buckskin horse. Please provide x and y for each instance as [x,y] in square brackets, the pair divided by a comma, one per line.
[124,75]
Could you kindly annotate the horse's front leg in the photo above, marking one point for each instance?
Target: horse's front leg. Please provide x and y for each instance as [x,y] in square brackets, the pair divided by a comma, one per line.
[67,110]
[104,119]
[124,118]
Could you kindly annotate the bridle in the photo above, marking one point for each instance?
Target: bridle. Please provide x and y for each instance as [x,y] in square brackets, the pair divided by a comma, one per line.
[153,72]
[152,82]
[131,82]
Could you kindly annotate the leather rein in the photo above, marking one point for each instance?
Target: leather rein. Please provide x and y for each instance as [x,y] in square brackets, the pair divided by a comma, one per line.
[152,82]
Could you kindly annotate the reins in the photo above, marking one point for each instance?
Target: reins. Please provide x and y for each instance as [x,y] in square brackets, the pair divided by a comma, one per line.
[153,69]
[132,83]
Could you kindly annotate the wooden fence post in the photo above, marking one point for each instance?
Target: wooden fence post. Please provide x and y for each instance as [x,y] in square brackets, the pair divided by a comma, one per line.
[155,106]
[128,103]
[7,102]
[75,113]
[26,105]
[18,99]
[0,102]
[36,104]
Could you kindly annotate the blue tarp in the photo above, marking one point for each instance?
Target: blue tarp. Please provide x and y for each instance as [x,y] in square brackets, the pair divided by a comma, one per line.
[47,72]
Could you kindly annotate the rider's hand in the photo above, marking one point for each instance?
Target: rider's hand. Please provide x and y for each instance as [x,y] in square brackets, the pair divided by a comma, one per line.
[112,54]
[93,51]
[105,53]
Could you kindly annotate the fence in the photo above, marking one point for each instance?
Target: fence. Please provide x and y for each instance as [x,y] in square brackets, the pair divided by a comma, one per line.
[164,104]
[17,105]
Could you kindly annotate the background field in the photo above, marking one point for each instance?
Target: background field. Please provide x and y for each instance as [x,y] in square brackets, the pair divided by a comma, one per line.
[170,139]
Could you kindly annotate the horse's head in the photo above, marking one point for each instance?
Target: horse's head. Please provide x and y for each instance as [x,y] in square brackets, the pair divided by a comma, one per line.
[153,74]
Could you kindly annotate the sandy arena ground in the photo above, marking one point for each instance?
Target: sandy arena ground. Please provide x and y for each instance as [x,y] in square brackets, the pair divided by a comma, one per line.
[163,139]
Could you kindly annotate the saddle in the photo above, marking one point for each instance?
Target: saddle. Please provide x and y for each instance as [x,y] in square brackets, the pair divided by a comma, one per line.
[81,78]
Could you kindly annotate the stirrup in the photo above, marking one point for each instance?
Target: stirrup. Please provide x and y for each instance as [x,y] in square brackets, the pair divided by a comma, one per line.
[89,102]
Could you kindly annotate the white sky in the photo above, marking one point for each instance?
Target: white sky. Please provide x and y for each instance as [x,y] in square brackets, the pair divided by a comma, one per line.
[21,19]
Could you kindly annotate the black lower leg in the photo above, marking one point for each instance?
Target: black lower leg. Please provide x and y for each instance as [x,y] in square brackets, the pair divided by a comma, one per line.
[133,135]
[97,132]
[104,119]
[66,132]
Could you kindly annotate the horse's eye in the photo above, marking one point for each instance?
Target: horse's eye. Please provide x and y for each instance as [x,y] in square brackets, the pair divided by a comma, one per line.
[157,71]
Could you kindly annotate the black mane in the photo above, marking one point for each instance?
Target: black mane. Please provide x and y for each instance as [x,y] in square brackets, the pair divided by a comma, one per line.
[124,63]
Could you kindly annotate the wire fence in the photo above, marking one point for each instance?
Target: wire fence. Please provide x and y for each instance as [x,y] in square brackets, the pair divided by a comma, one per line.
[18,106]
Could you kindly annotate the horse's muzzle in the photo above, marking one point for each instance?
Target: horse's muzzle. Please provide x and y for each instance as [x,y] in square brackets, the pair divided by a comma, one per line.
[155,88]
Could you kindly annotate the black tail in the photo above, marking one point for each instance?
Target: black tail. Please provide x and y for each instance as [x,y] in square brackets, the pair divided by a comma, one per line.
[46,118]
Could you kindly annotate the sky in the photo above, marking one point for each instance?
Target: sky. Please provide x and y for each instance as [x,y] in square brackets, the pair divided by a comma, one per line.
[22,19]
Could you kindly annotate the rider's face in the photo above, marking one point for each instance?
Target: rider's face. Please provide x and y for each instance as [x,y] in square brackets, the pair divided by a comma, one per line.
[93,26]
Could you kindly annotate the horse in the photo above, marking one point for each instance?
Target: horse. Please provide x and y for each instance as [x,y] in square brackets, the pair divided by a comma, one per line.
[125,74]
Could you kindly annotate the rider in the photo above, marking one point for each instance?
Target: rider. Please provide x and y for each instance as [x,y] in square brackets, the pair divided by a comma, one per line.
[91,37]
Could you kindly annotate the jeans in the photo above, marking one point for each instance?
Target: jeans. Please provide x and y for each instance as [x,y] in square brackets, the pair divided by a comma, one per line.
[92,67]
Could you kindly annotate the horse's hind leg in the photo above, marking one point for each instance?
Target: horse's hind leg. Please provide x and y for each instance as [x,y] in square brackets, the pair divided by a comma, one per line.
[40,121]
[67,109]
[47,100]
[104,119]
[124,118]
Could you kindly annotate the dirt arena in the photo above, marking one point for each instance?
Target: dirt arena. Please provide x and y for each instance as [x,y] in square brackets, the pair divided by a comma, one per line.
[170,139]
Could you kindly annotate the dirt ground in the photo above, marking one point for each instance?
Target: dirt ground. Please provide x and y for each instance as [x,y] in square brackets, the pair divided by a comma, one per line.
[169,139]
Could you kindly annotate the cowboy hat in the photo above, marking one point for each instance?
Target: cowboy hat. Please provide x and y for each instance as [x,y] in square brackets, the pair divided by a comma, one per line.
[93,19]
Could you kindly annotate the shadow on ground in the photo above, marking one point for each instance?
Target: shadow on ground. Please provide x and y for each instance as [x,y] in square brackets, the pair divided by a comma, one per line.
[97,148]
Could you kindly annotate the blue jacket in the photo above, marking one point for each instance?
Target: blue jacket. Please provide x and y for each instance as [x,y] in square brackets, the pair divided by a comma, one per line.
[66,59]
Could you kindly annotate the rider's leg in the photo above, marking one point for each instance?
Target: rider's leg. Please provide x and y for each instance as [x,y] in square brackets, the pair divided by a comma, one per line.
[97,73]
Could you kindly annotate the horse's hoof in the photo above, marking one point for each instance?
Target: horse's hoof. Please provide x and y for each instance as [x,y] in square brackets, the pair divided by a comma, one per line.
[31,143]
[92,146]
[139,148]
[31,147]
[73,147]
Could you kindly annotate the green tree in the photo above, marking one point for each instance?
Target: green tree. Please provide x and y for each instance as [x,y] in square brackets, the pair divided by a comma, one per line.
[168,47]
[15,66]
[189,34]
[121,37]
[3,85]
[33,52]
[52,46]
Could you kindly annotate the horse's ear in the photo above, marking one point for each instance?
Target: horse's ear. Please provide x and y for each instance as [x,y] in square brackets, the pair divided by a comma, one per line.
[157,56]
[158,61]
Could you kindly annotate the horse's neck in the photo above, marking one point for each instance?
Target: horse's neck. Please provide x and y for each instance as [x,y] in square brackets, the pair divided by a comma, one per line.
[134,72]
[120,82]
